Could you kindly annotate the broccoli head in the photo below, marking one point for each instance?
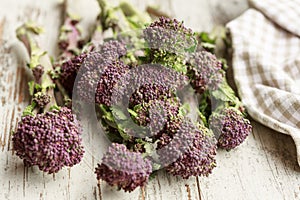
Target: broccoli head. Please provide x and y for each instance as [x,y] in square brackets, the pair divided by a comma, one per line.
[96,85]
[122,168]
[205,71]
[106,53]
[230,127]
[50,141]
[190,152]
[162,116]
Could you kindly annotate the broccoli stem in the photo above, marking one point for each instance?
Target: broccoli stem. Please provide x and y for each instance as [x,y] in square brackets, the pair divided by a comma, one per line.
[123,17]
[70,40]
[43,85]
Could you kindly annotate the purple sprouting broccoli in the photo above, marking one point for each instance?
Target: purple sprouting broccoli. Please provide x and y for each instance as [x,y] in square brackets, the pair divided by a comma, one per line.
[69,70]
[169,41]
[190,152]
[96,84]
[70,41]
[154,82]
[50,140]
[168,34]
[205,71]
[122,168]
[161,116]
[46,136]
[148,82]
[230,127]
[108,52]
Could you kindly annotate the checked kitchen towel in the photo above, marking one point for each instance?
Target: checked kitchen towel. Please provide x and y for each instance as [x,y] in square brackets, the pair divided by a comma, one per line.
[266,63]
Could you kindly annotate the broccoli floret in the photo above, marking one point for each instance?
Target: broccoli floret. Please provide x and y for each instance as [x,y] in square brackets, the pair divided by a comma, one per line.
[41,99]
[148,82]
[190,152]
[162,116]
[122,168]
[69,70]
[169,35]
[49,141]
[107,53]
[37,72]
[169,41]
[205,71]
[96,85]
[230,127]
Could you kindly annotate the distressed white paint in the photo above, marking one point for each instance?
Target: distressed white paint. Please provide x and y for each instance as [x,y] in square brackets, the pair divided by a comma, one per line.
[264,167]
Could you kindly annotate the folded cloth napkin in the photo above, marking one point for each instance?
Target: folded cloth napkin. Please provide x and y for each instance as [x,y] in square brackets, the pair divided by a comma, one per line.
[266,63]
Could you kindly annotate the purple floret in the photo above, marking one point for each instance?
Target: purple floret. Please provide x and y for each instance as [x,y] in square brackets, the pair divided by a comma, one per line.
[49,141]
[162,116]
[41,99]
[205,71]
[37,72]
[69,70]
[108,52]
[96,85]
[113,49]
[169,35]
[190,152]
[148,82]
[124,169]
[230,127]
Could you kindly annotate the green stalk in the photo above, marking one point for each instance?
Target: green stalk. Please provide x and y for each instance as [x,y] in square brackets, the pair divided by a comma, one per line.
[39,58]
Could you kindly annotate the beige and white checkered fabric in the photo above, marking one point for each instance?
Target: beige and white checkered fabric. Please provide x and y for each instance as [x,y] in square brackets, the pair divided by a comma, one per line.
[266,63]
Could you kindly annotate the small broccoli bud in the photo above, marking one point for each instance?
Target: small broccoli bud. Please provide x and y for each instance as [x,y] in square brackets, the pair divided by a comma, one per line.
[149,92]
[192,147]
[205,71]
[124,169]
[230,127]
[41,99]
[38,72]
[113,50]
[49,141]
[171,24]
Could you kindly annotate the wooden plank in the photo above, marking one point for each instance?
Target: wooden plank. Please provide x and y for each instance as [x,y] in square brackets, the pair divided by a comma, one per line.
[265,167]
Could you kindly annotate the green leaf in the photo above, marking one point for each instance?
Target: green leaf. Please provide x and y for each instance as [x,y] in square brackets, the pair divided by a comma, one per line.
[123,134]
[184,109]
[31,86]
[29,110]
[54,107]
[193,47]
[203,118]
[153,175]
[118,113]
[133,113]
[107,116]
[205,37]
[225,93]
[38,87]
[149,148]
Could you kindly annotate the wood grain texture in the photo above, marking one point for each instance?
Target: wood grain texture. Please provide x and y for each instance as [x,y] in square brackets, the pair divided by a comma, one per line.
[264,167]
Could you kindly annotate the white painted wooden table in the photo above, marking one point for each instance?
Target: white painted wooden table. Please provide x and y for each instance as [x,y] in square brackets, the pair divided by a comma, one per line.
[264,167]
